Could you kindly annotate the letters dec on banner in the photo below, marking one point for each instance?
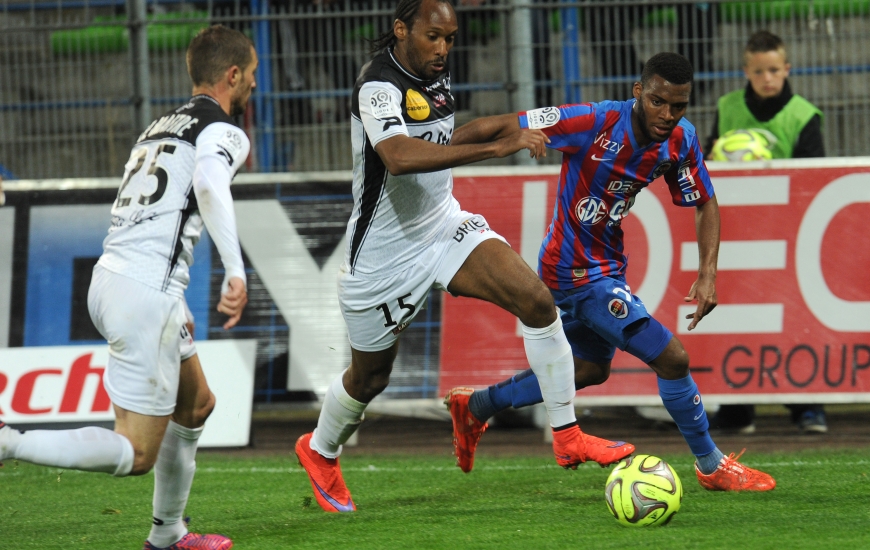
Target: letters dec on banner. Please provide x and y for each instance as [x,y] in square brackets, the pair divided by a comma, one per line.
[794,298]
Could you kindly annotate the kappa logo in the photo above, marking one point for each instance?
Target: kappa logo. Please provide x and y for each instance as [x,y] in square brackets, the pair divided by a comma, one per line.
[590,210]
[618,308]
[543,118]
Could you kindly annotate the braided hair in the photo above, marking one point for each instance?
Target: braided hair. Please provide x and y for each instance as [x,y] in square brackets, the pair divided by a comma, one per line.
[407,12]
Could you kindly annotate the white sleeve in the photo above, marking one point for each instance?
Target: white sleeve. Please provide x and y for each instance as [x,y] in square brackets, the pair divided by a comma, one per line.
[220,150]
[380,109]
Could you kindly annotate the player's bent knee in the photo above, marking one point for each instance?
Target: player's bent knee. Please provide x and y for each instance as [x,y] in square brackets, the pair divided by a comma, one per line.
[673,362]
[142,463]
[590,374]
[204,410]
[538,310]
[375,385]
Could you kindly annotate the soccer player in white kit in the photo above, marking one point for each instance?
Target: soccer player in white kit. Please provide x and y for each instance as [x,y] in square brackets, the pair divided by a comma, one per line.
[408,234]
[177,179]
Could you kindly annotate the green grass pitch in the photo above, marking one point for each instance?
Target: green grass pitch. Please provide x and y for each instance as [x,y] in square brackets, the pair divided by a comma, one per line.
[821,501]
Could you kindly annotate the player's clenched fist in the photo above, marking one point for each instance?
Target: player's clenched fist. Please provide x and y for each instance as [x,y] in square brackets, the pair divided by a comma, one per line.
[233,301]
[533,140]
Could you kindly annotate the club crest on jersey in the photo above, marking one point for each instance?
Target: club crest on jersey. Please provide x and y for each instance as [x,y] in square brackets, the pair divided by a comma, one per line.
[661,169]
[579,273]
[590,210]
[543,118]
[417,106]
[697,399]
[618,308]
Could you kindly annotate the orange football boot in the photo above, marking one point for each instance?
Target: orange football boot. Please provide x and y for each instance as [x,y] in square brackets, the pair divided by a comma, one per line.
[325,476]
[195,541]
[734,476]
[573,447]
[467,429]
[569,446]
[606,452]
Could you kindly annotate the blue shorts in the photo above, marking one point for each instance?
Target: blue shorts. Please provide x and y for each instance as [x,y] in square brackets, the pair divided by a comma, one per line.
[603,315]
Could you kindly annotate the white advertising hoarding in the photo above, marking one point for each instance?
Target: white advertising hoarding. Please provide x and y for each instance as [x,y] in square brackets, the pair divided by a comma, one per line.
[64,384]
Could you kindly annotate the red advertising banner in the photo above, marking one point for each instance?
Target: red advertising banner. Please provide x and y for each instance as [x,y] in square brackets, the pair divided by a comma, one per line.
[793,284]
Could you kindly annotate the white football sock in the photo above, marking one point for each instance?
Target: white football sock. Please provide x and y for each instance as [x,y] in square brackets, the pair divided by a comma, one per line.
[549,355]
[173,476]
[9,439]
[90,449]
[339,418]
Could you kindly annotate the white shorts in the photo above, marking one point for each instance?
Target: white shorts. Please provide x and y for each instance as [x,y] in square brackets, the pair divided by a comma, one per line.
[188,348]
[377,310]
[144,328]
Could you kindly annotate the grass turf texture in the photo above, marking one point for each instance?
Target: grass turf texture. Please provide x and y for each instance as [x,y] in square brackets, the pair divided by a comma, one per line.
[425,502]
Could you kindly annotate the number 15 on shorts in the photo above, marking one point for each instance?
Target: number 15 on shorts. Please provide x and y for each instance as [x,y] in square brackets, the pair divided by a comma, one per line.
[388,318]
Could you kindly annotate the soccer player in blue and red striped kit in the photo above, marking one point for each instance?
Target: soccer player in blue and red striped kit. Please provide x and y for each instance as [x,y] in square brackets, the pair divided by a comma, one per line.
[611,151]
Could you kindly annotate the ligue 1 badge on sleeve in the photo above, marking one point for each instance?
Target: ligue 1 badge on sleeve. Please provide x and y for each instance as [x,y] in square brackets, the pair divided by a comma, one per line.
[543,118]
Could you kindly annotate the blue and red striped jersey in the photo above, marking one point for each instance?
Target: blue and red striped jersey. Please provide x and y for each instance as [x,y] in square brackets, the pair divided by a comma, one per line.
[603,169]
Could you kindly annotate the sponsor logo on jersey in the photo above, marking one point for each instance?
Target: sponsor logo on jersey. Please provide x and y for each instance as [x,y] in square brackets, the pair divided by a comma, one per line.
[543,118]
[590,210]
[626,187]
[579,273]
[477,224]
[441,83]
[687,183]
[417,106]
[661,169]
[443,137]
[619,211]
[602,141]
[618,308]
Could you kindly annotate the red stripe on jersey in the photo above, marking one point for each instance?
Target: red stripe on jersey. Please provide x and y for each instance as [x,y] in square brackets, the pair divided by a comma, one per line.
[575,124]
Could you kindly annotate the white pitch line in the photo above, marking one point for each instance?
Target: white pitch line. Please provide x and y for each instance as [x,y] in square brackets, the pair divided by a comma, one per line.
[376,469]
[372,469]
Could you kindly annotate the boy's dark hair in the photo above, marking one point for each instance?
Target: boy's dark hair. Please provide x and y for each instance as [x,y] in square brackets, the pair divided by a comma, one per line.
[215,49]
[407,12]
[673,67]
[764,41]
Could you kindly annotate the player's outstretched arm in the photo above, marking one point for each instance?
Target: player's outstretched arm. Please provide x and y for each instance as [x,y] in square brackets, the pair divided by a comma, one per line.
[486,129]
[406,155]
[704,288]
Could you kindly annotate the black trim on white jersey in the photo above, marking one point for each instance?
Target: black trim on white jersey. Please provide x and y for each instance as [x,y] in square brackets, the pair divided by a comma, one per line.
[192,206]
[374,181]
